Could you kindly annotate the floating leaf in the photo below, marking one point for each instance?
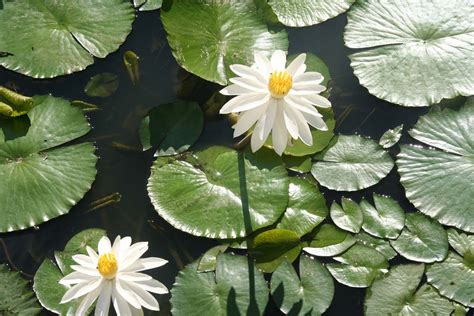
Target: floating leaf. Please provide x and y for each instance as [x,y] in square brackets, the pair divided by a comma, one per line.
[358,266]
[131,63]
[102,85]
[385,220]
[16,298]
[172,127]
[348,217]
[40,178]
[422,239]
[462,243]
[45,39]
[310,293]
[271,247]
[208,260]
[391,137]
[309,12]
[298,164]
[439,182]
[329,241]
[416,53]
[220,195]
[351,163]
[381,245]
[204,40]
[306,207]
[236,288]
[397,293]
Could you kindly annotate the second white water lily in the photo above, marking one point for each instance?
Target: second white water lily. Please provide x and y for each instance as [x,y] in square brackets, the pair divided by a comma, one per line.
[276,99]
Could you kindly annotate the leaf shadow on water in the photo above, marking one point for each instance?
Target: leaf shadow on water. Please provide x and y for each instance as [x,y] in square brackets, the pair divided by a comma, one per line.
[279,293]
[253,306]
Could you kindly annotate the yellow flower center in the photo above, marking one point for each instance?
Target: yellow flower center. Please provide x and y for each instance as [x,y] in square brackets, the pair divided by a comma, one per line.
[107,265]
[280,83]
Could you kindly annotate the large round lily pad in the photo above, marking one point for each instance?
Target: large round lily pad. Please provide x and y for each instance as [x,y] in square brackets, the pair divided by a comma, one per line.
[439,181]
[415,52]
[218,195]
[45,39]
[308,12]
[236,288]
[16,298]
[40,178]
[351,163]
[208,36]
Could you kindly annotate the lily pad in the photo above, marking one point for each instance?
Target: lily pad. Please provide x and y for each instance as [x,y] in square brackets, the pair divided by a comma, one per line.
[271,247]
[462,243]
[309,294]
[415,53]
[398,293]
[385,220]
[102,85]
[381,245]
[40,178]
[208,260]
[306,207]
[45,39]
[391,137]
[422,239]
[172,128]
[16,297]
[439,181]
[308,12]
[351,163]
[236,288]
[218,195]
[297,164]
[208,36]
[329,241]
[348,217]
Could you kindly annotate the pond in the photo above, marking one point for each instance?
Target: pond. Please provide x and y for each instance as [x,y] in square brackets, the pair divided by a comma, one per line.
[123,168]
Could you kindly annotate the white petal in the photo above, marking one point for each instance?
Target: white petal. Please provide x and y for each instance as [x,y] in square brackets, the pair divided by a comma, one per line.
[248,119]
[80,290]
[125,243]
[308,86]
[311,76]
[263,64]
[146,264]
[251,84]
[133,254]
[234,89]
[76,277]
[303,128]
[302,105]
[252,103]
[263,127]
[296,64]
[153,286]
[135,311]
[290,122]
[146,299]
[120,304]
[278,60]
[87,302]
[104,245]
[279,133]
[239,101]
[316,122]
[116,245]
[91,252]
[126,294]
[318,100]
[133,276]
[103,303]
[84,260]
[86,270]
[300,70]
[248,72]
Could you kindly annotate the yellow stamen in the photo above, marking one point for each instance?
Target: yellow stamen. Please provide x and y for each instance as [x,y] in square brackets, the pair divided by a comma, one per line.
[280,83]
[107,265]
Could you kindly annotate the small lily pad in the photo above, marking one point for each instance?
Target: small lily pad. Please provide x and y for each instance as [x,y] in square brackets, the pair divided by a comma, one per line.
[385,220]
[16,297]
[102,85]
[462,243]
[391,137]
[329,241]
[348,217]
[208,260]
[381,245]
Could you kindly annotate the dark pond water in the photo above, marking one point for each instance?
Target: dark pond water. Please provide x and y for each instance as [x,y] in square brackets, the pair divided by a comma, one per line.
[127,171]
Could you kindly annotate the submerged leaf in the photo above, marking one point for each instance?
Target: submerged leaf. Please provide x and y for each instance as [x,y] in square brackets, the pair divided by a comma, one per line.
[391,137]
[102,85]
[16,297]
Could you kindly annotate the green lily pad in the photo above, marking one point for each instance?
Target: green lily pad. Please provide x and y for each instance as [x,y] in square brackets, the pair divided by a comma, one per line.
[102,85]
[16,297]
[308,12]
[348,217]
[329,241]
[271,247]
[45,39]
[415,53]
[351,163]
[306,207]
[172,127]
[207,36]
[422,239]
[358,266]
[381,245]
[297,164]
[309,294]
[385,220]
[218,195]
[391,137]
[462,243]
[40,178]
[454,278]
[398,293]
[236,288]
[208,260]
[439,181]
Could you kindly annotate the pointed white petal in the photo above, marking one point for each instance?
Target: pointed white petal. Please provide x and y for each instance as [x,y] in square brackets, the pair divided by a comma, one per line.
[153,286]
[296,64]
[146,264]
[87,302]
[300,70]
[263,64]
[251,84]
[84,260]
[234,89]
[279,133]
[302,105]
[104,245]
[76,277]
[133,254]
[248,72]
[80,290]
[303,128]
[252,103]
[311,76]
[263,127]
[238,101]
[120,304]
[86,270]
[136,312]
[248,119]
[126,294]
[308,86]
[290,122]
[278,60]
[146,299]
[133,276]
[103,303]
[91,252]
[318,100]
[316,122]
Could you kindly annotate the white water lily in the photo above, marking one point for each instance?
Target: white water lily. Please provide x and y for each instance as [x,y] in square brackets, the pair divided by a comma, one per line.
[276,99]
[113,275]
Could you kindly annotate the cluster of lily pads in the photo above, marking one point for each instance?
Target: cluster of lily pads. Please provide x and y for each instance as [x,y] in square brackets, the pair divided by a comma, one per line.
[277,238]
